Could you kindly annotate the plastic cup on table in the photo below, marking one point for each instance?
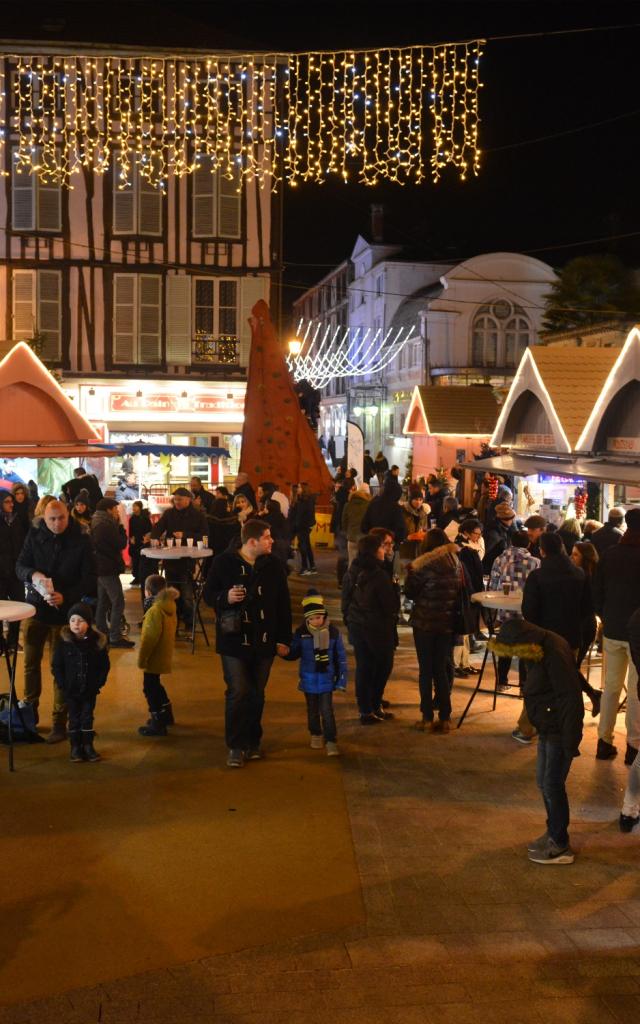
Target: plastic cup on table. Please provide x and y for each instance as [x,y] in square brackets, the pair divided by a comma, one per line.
[169,542]
[200,545]
[155,543]
[506,589]
[189,542]
[205,542]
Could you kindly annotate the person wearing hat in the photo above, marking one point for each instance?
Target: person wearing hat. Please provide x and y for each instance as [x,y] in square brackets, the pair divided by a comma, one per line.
[323,669]
[535,527]
[497,536]
[182,521]
[109,541]
[80,667]
[617,597]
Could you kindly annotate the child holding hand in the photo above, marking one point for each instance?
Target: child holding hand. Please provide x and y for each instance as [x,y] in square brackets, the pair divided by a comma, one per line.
[323,669]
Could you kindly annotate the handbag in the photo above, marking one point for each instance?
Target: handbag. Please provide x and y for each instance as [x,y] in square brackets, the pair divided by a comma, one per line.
[23,722]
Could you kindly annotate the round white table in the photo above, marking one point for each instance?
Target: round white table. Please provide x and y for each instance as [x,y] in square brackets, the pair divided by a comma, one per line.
[196,554]
[13,611]
[492,601]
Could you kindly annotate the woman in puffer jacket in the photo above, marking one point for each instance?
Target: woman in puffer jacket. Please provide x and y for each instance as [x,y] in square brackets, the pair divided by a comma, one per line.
[434,583]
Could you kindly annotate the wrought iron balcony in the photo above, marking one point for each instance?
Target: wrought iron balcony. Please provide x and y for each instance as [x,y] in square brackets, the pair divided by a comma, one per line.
[217,350]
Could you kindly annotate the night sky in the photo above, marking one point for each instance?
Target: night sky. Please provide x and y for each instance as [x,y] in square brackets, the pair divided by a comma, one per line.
[549,197]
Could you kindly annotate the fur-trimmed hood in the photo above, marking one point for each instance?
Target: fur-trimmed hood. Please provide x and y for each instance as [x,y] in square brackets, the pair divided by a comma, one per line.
[519,639]
[437,560]
[99,639]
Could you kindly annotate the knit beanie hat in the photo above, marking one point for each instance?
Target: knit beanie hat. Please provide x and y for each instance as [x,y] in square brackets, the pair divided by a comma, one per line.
[313,604]
[504,511]
[81,609]
[182,492]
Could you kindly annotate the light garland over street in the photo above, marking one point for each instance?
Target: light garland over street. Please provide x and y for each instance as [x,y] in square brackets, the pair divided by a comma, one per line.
[323,354]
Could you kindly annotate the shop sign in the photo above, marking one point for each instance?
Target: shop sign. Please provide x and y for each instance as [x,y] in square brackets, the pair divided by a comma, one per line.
[550,478]
[120,401]
[535,440]
[623,444]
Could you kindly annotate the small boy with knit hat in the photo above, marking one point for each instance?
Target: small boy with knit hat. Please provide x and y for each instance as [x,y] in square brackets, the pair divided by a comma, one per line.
[155,654]
[80,667]
[323,669]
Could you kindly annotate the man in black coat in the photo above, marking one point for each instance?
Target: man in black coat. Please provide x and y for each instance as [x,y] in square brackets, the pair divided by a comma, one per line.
[58,565]
[384,510]
[82,480]
[248,590]
[182,522]
[617,596]
[610,534]
[557,596]
[109,541]
[553,700]
[199,491]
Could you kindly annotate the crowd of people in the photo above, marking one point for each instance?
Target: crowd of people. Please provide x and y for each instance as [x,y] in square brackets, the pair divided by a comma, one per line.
[412,555]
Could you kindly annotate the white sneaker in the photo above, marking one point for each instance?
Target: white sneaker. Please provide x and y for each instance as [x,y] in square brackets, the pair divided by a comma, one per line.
[317,742]
[332,750]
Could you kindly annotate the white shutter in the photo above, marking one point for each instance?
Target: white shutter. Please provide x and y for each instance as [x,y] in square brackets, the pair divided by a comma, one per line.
[124,317]
[204,200]
[229,198]
[49,312]
[252,289]
[149,207]
[24,306]
[49,206]
[124,202]
[23,187]
[179,320]
[150,292]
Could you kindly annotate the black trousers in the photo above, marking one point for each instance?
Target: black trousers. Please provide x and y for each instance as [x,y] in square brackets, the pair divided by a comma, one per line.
[154,692]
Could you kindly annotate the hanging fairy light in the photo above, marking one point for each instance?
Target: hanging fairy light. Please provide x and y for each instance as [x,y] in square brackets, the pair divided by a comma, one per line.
[319,353]
[362,114]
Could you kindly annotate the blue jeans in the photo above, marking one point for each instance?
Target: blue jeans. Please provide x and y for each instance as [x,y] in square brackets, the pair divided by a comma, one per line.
[373,668]
[322,721]
[246,680]
[434,656]
[552,769]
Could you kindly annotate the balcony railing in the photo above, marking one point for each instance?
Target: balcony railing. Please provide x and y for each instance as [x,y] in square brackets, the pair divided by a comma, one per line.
[217,350]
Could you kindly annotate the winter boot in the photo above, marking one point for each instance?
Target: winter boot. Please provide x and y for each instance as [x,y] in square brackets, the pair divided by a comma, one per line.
[77,753]
[154,727]
[90,754]
[166,714]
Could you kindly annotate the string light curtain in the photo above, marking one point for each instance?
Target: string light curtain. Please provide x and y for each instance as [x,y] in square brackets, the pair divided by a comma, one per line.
[398,114]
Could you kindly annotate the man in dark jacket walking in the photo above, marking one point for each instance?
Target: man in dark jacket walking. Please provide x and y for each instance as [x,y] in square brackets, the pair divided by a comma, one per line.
[109,541]
[617,597]
[553,699]
[610,534]
[182,522]
[384,510]
[248,590]
[58,565]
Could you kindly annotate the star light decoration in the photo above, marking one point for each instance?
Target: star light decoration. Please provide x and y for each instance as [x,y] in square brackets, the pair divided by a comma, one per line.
[362,114]
[319,354]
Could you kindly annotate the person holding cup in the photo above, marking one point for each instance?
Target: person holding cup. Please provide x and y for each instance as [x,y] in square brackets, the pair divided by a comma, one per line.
[179,522]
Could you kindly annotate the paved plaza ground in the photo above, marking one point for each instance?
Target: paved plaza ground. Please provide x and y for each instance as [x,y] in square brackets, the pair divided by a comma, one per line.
[389,885]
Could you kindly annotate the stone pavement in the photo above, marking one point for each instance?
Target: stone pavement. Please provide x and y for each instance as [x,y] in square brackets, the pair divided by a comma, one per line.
[459,926]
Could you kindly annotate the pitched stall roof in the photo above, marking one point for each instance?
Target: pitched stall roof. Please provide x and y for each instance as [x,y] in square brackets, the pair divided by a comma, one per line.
[573,378]
[464,411]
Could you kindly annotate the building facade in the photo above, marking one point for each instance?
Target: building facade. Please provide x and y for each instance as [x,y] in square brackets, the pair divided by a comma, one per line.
[139,297]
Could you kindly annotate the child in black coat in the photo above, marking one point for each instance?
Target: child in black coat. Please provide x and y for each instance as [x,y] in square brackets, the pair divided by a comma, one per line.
[80,667]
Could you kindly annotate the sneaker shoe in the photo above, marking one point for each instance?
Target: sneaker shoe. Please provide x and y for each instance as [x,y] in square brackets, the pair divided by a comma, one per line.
[317,742]
[384,716]
[605,751]
[57,735]
[122,642]
[627,823]
[369,720]
[520,736]
[332,749]
[253,754]
[235,759]
[631,754]
[538,844]
[552,854]
[312,572]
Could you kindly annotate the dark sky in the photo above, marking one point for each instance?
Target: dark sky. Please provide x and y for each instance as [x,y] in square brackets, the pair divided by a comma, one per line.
[539,197]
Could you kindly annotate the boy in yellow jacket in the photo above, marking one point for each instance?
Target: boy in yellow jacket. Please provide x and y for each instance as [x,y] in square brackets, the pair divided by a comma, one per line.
[155,653]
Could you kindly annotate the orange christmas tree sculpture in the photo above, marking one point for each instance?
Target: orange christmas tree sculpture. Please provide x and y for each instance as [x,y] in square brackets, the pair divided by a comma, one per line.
[278,444]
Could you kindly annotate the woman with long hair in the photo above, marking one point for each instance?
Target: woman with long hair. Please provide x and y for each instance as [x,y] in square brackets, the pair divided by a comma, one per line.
[434,583]
[243,508]
[585,556]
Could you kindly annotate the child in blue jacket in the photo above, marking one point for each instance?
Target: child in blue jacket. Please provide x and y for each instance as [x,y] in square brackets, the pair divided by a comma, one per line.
[323,669]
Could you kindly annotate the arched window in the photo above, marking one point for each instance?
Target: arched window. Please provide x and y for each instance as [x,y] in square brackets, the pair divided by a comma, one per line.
[500,333]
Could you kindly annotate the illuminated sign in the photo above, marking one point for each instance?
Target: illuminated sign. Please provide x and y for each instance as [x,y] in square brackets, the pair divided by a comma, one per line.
[623,444]
[121,401]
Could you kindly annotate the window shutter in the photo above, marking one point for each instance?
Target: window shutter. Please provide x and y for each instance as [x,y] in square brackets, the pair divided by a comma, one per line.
[251,289]
[150,292]
[149,207]
[124,319]
[229,205]
[49,206]
[124,203]
[179,320]
[24,319]
[49,312]
[22,198]
[204,200]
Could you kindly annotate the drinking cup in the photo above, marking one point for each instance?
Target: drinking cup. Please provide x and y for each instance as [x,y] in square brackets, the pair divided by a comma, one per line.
[169,542]
[200,545]
[205,542]
[506,589]
[189,542]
